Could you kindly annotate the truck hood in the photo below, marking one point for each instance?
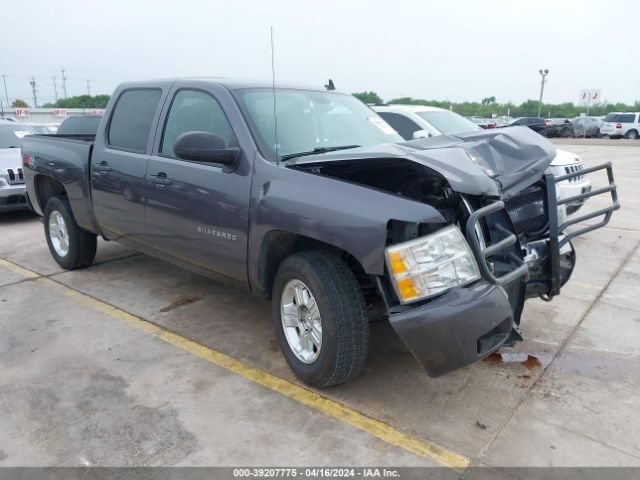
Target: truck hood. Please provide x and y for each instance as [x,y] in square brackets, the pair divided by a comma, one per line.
[488,162]
[10,158]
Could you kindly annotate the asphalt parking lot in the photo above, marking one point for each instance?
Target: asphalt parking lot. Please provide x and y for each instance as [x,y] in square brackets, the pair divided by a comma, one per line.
[133,362]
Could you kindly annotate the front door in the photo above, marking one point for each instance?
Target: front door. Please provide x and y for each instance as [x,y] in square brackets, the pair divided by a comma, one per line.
[198,213]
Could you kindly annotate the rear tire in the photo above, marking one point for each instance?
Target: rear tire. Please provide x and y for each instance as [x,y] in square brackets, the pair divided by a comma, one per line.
[331,291]
[632,135]
[70,246]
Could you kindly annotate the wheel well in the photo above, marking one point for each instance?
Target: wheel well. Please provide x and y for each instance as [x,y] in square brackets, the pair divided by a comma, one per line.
[278,245]
[47,188]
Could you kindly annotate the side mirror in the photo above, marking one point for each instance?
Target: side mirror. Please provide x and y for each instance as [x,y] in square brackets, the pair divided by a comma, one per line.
[204,147]
[421,134]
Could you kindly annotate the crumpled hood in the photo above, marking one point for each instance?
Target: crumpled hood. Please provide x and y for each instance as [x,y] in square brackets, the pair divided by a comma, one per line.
[489,162]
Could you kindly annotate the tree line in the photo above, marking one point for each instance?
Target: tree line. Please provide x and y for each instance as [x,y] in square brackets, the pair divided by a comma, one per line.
[488,106]
[80,101]
[485,108]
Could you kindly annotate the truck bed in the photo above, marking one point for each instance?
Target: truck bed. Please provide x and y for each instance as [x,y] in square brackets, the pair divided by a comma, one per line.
[65,158]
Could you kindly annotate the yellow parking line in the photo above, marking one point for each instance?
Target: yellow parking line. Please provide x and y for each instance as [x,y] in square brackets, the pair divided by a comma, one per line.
[585,285]
[332,408]
[18,269]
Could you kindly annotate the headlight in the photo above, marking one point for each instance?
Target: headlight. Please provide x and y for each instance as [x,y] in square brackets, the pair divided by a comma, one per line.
[430,265]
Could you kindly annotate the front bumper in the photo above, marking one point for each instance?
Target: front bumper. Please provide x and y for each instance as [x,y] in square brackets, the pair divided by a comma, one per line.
[461,327]
[468,323]
[12,197]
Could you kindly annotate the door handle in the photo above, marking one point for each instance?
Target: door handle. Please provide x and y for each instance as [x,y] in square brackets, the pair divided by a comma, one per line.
[102,166]
[161,180]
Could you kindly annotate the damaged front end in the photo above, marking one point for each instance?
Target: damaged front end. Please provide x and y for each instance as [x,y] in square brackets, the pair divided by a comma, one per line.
[492,190]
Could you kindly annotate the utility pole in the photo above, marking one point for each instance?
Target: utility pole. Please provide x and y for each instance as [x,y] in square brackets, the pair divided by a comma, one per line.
[543,74]
[88,88]
[55,88]
[35,94]
[64,84]
[4,79]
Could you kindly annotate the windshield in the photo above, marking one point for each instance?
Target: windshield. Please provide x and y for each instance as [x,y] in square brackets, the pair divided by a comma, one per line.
[449,123]
[12,135]
[311,120]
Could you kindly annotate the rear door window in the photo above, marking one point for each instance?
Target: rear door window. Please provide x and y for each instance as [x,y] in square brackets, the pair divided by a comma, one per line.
[132,119]
[620,117]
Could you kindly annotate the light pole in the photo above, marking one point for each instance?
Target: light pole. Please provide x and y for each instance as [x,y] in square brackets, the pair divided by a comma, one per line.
[543,74]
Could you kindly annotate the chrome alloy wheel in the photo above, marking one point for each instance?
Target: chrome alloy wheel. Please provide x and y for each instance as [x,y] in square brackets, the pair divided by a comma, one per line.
[301,321]
[58,233]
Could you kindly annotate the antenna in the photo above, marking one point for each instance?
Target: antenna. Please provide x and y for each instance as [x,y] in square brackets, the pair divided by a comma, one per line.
[273,88]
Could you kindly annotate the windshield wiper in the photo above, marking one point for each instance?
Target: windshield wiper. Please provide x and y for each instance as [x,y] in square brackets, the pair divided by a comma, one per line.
[318,150]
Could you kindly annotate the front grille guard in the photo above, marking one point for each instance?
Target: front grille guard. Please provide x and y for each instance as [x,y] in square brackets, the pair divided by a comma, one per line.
[556,229]
[482,252]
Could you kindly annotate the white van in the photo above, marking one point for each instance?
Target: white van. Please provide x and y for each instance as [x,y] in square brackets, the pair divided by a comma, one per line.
[621,124]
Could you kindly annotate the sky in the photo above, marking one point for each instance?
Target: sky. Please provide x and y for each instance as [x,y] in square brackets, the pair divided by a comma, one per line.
[456,49]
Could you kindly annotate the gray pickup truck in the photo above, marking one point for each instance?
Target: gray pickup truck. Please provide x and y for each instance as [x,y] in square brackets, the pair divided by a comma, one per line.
[310,199]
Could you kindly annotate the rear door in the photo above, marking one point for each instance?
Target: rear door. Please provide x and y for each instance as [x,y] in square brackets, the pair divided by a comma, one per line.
[119,162]
[198,213]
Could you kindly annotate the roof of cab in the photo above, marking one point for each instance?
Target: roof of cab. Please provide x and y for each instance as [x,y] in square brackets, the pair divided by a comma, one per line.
[229,83]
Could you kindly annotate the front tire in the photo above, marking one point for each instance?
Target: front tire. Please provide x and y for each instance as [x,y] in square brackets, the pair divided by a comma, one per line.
[320,318]
[70,246]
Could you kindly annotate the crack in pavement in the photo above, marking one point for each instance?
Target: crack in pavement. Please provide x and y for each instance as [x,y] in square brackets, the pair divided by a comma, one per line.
[561,348]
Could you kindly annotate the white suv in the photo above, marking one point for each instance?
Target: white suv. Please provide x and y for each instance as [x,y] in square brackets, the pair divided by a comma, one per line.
[621,124]
[418,121]
[12,187]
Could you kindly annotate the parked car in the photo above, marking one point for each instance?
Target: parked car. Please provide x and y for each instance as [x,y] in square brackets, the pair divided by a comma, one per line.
[414,121]
[12,188]
[621,124]
[322,211]
[537,124]
[80,125]
[586,127]
[560,130]
[484,122]
[45,128]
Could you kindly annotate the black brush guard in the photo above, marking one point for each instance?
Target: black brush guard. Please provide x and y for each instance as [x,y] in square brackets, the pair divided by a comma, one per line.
[557,237]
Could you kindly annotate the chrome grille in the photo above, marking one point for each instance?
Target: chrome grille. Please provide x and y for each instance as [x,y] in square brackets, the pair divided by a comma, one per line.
[573,169]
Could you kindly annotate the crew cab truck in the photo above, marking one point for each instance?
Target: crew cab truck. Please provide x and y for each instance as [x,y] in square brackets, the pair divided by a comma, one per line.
[310,199]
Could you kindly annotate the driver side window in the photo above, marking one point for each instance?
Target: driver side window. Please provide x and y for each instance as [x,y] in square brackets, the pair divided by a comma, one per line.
[194,111]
